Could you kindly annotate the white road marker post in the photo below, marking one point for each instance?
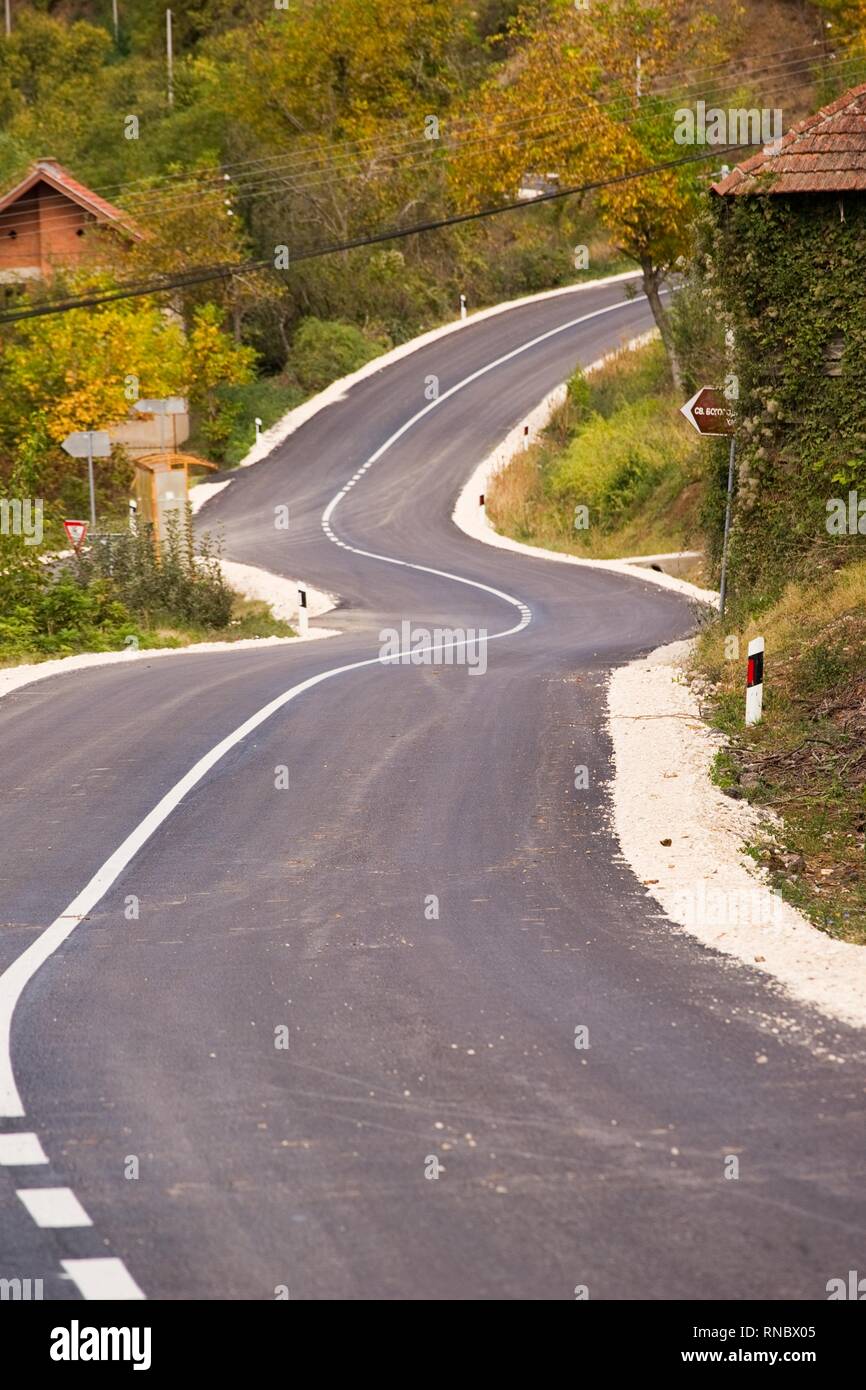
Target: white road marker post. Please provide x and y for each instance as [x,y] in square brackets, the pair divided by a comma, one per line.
[303,617]
[463,306]
[755,681]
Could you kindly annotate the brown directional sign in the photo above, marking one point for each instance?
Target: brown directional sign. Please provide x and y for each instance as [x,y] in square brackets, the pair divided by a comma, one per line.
[709,412]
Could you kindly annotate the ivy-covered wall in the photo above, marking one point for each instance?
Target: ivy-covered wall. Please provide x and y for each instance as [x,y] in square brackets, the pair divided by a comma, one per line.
[788,275]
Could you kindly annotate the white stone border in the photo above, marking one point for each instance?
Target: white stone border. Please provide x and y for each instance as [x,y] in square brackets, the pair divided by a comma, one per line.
[663,754]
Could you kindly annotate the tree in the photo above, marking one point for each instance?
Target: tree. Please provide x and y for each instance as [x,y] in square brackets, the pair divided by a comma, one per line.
[571,103]
[213,361]
[83,370]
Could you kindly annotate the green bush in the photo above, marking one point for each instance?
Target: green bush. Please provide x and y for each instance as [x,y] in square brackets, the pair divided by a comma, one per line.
[48,614]
[323,351]
[268,398]
[612,465]
[184,585]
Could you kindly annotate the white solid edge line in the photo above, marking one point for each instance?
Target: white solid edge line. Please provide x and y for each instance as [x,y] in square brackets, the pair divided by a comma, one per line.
[53,1207]
[105,1280]
[17,976]
[21,1150]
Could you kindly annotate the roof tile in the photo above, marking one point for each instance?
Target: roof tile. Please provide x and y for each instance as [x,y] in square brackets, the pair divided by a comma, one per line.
[825,153]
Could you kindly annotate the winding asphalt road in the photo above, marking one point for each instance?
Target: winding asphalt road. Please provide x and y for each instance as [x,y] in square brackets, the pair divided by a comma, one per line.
[305,916]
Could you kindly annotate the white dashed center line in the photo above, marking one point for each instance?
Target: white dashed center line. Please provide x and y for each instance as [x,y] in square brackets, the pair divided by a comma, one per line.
[54,1206]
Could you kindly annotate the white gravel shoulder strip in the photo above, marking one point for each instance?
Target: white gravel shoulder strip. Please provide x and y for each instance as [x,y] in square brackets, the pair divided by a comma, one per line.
[663,752]
[200,493]
[280,593]
[273,589]
[471,517]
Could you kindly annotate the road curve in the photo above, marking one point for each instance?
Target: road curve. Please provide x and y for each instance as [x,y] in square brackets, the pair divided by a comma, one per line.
[424,916]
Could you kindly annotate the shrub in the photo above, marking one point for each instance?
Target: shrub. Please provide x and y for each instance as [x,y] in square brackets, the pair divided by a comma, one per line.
[613,464]
[45,613]
[184,584]
[323,351]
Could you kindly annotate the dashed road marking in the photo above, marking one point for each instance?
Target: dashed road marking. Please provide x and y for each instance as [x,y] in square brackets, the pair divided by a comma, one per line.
[59,1207]
[19,1150]
[54,1206]
[102,1279]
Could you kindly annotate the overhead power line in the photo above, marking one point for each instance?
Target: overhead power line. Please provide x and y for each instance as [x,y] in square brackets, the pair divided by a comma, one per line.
[299,170]
[318,177]
[205,274]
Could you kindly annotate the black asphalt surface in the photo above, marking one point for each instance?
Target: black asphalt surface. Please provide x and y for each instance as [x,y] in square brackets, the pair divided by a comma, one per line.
[411,1038]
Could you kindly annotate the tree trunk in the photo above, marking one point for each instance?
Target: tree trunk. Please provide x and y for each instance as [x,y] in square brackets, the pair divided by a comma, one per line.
[651,279]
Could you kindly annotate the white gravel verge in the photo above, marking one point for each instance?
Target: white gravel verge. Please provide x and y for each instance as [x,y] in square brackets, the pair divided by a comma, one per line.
[662,790]
[200,493]
[273,589]
[663,752]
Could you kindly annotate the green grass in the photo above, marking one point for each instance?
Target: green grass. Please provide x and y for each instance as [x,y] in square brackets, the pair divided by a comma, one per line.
[250,618]
[618,447]
[806,759]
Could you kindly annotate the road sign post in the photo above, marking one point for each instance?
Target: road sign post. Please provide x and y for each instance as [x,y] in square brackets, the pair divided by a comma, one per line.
[89,444]
[723,579]
[709,412]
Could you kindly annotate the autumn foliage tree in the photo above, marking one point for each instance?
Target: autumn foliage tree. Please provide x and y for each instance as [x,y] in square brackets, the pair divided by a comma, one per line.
[83,370]
[574,99]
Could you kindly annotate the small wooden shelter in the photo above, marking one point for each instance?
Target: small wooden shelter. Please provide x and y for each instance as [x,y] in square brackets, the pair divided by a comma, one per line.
[162,489]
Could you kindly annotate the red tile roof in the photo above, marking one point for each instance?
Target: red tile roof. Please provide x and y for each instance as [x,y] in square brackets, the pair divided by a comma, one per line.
[825,153]
[50,172]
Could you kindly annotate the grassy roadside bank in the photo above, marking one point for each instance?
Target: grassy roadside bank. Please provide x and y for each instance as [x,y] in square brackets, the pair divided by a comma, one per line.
[615,473]
[806,759]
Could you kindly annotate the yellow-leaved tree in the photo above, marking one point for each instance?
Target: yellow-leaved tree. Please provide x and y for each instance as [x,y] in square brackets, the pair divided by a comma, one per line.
[82,370]
[589,94]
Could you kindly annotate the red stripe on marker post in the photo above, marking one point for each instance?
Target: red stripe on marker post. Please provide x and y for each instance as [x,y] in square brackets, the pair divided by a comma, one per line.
[755,680]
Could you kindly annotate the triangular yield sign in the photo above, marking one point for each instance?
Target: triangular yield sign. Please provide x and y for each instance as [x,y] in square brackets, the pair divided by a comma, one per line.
[77,532]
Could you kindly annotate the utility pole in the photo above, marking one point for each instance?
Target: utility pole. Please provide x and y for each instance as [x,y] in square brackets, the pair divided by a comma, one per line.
[8,17]
[637,90]
[116,19]
[169,54]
